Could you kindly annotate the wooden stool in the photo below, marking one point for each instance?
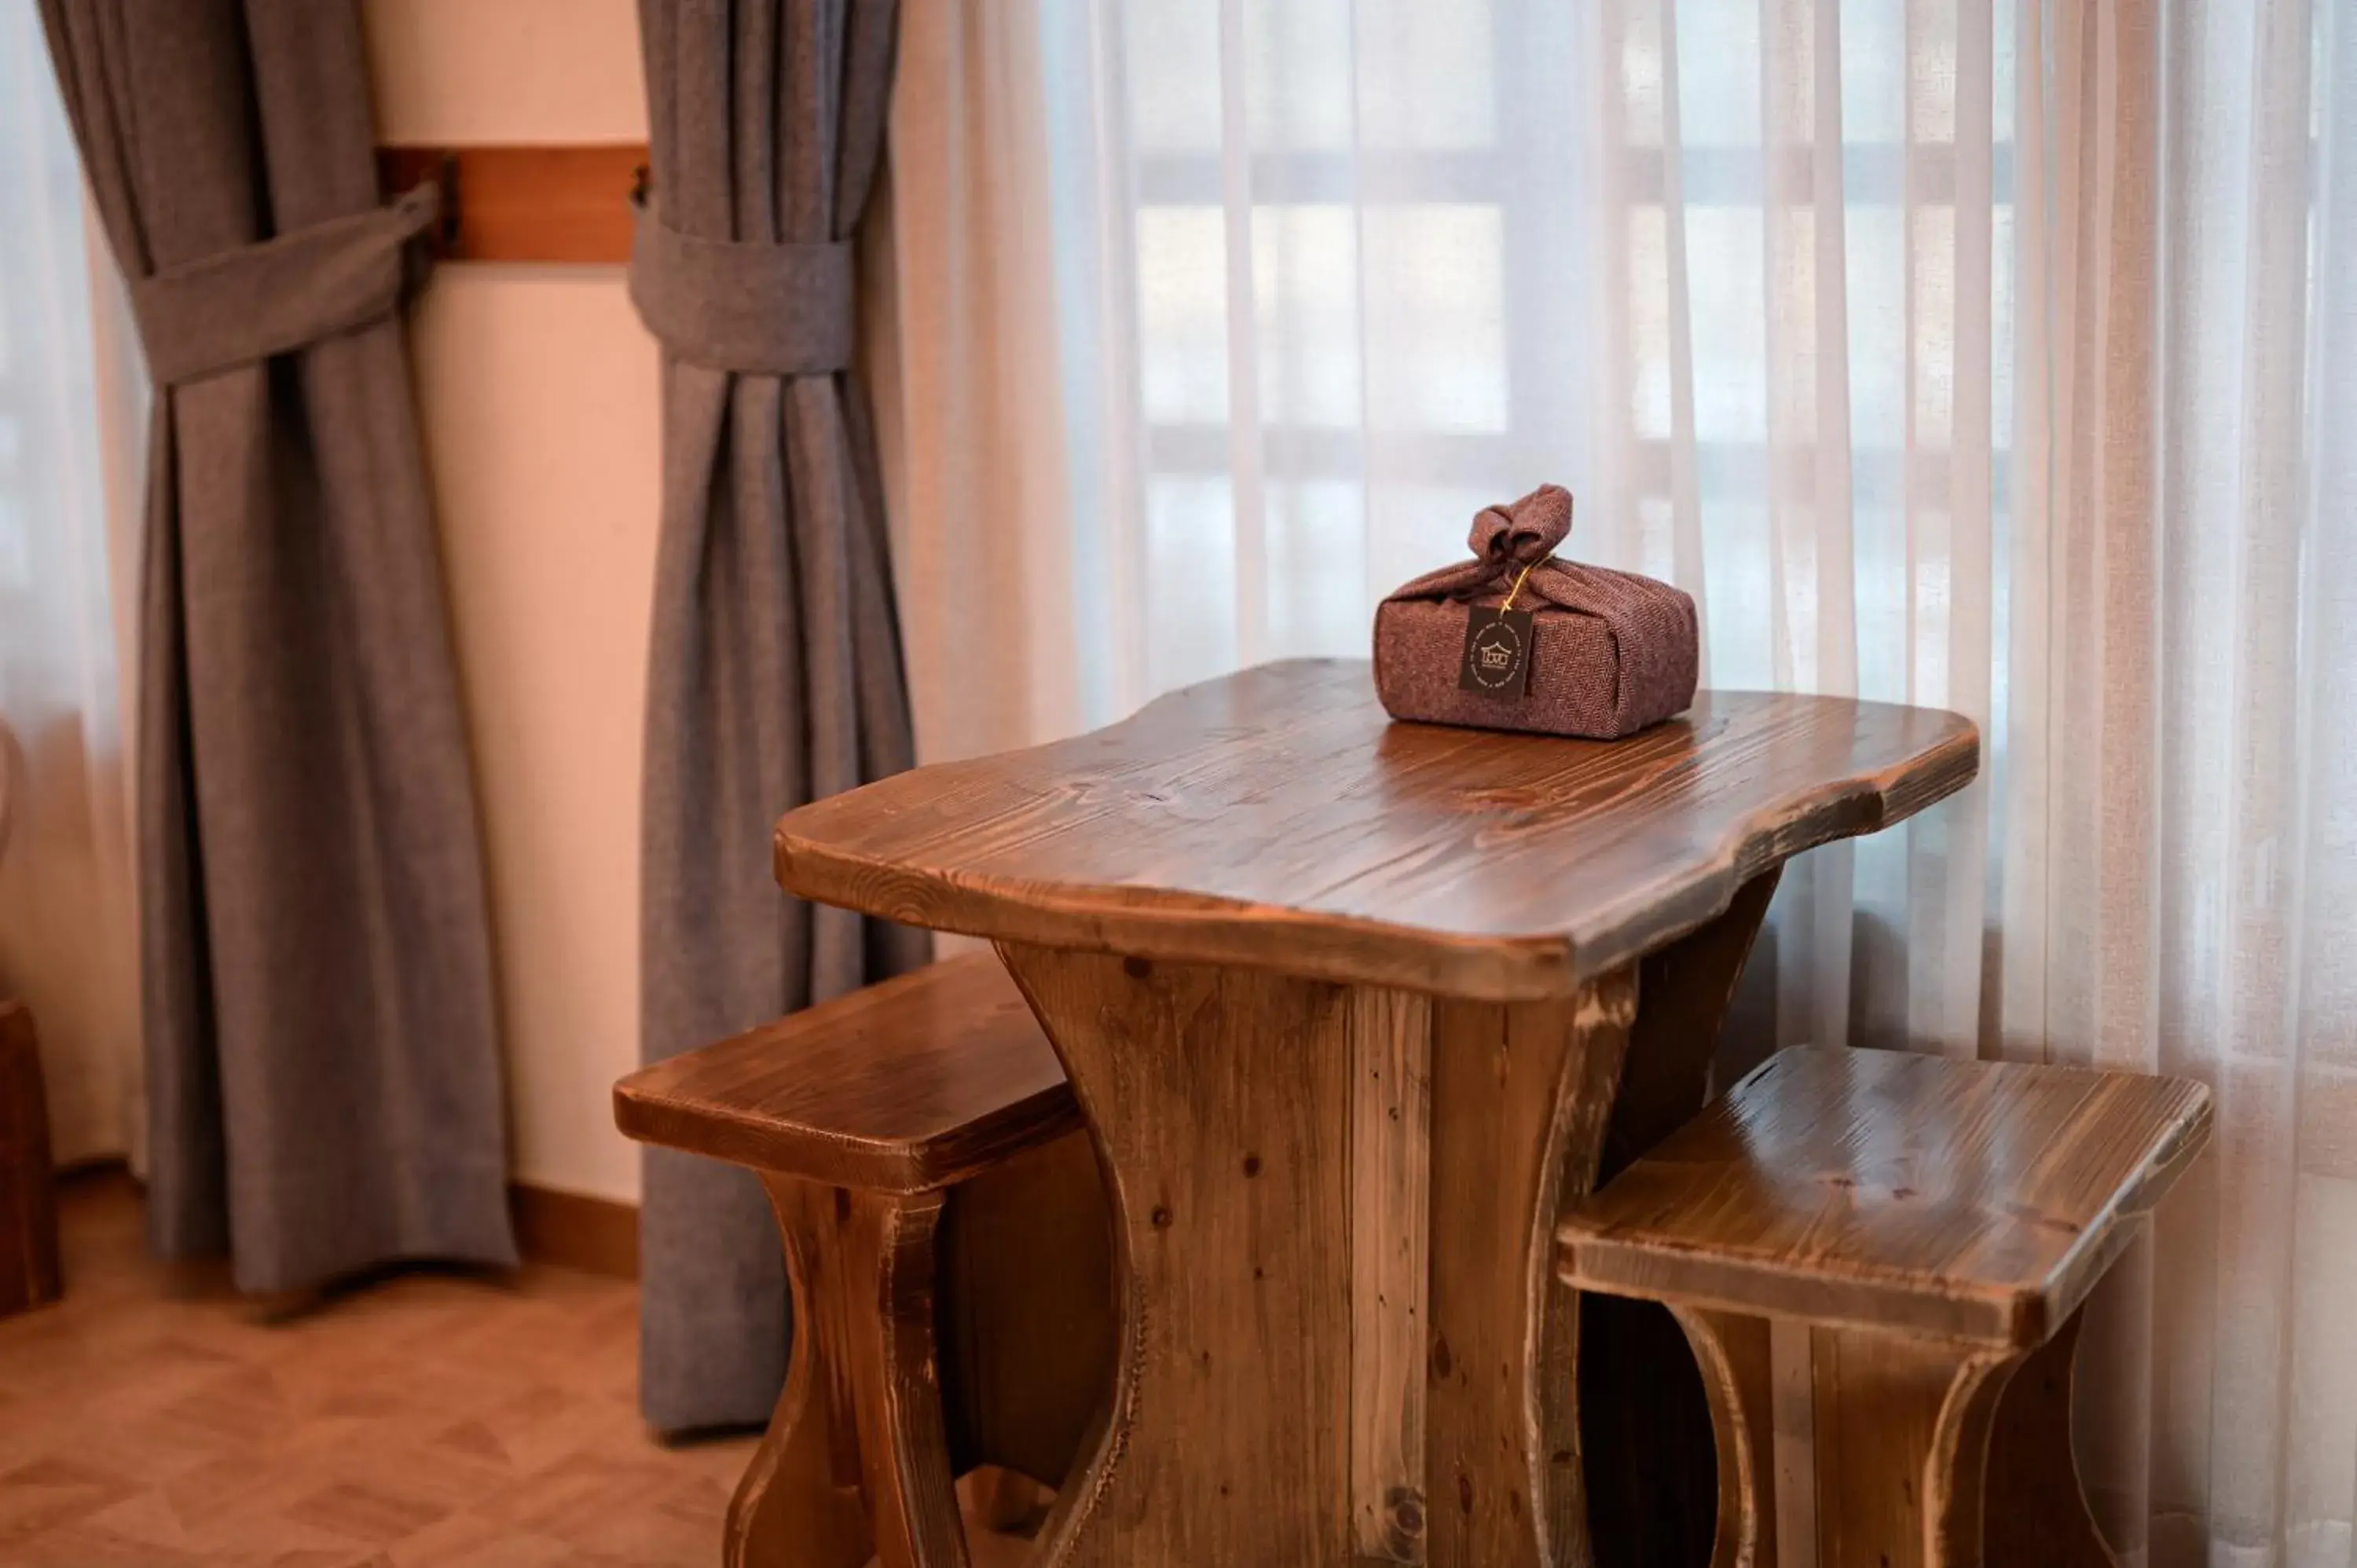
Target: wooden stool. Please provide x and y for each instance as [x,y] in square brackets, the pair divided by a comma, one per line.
[1937,1223]
[29,1275]
[918,1141]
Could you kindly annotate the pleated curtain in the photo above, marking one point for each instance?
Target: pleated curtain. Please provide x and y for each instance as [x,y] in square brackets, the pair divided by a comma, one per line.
[323,1081]
[775,672]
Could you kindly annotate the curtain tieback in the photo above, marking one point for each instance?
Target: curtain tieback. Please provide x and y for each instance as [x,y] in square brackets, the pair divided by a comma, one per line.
[276,296]
[758,309]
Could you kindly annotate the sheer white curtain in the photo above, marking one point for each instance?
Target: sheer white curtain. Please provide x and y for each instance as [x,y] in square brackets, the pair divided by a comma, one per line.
[67,917]
[1991,354]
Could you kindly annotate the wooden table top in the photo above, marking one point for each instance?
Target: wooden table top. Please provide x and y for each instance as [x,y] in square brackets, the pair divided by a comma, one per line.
[1278,818]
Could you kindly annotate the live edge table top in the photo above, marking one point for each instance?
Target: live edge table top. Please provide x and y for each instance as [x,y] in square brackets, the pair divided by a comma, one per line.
[1278,818]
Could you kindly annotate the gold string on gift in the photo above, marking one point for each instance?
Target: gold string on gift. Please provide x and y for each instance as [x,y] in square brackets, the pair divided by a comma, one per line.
[1519,577]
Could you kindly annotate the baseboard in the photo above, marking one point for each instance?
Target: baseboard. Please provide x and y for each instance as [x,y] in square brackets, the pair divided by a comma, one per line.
[596,1235]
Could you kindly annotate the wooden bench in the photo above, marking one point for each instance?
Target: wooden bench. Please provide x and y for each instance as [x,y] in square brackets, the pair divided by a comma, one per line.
[1937,1224]
[923,1155]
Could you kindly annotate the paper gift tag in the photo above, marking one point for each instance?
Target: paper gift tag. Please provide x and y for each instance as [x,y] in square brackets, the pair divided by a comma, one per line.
[1497,653]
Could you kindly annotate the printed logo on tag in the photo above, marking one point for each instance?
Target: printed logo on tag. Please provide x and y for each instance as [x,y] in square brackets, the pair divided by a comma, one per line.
[1497,653]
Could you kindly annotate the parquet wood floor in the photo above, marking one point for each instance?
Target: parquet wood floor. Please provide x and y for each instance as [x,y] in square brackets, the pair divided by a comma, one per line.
[154,1419]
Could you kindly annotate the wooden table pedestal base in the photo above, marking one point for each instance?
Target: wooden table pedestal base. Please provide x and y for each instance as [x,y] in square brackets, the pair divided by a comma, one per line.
[1342,1201]
[1333,1211]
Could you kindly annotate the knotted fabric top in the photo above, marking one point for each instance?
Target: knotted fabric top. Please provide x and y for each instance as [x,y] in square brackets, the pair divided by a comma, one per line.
[1508,540]
[729,304]
[1524,531]
[237,307]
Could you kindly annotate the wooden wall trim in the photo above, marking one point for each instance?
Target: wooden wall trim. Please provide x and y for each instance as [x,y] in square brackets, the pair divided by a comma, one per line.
[596,1235]
[558,203]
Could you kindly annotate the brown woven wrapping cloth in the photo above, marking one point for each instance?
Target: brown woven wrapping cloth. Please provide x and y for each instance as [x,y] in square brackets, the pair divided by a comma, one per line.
[1610,651]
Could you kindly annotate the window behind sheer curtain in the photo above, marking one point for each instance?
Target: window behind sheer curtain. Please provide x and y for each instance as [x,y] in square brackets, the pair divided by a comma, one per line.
[1989,354]
[1740,273]
[67,943]
[1453,274]
[48,416]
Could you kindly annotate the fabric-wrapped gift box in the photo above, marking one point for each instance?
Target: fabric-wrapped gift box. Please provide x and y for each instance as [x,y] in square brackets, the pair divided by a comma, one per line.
[1517,639]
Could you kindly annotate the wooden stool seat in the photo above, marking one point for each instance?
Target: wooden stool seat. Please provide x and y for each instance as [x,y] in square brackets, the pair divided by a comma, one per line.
[921,1149]
[1938,1224]
[1973,1200]
[907,1086]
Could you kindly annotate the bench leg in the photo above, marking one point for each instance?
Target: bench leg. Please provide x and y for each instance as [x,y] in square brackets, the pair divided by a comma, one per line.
[799,1502]
[895,1374]
[1927,1455]
[856,1463]
[1902,1443]
[1732,1351]
[2036,1508]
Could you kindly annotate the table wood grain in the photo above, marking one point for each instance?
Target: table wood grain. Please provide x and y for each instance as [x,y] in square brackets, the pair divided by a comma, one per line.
[1354,1011]
[1278,818]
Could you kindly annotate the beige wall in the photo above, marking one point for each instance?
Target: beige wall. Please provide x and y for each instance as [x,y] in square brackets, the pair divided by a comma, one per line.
[539,394]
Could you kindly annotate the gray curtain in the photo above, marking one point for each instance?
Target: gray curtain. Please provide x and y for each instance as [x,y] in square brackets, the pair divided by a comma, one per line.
[322,1068]
[775,674]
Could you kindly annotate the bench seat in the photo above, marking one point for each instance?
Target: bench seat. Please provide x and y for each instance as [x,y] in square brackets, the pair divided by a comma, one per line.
[916,1083]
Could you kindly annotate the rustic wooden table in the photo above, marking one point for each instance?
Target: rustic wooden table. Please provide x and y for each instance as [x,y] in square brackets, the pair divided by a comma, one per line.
[1353,1009]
